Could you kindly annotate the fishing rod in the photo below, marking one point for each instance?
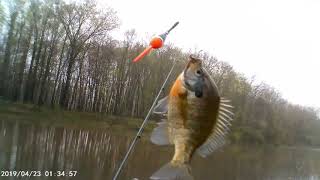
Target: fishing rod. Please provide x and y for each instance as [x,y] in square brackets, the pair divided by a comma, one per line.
[155,43]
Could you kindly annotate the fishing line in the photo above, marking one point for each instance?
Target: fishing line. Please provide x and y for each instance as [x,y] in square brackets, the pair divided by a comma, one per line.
[138,135]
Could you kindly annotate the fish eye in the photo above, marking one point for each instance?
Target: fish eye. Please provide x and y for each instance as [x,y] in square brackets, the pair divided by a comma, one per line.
[198,72]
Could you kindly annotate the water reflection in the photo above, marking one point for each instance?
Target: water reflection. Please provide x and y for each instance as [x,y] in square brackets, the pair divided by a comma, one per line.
[95,154]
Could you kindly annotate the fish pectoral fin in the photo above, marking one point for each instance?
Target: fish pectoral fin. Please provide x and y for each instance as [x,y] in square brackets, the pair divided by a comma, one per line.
[217,138]
[159,135]
[162,106]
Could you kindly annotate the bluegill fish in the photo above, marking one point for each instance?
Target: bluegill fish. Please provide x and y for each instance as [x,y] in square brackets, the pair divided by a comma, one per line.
[198,120]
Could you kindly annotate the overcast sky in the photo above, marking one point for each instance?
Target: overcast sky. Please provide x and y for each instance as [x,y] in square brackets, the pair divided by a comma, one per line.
[278,41]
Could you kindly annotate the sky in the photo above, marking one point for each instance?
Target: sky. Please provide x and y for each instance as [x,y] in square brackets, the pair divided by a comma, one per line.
[277,41]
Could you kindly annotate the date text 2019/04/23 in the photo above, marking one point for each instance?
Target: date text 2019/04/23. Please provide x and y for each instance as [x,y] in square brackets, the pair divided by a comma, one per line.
[37,173]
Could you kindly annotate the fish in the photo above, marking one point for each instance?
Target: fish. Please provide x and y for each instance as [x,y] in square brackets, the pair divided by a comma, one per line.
[198,120]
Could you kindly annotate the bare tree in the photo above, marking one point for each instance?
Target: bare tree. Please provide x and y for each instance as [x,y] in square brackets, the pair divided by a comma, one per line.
[82,23]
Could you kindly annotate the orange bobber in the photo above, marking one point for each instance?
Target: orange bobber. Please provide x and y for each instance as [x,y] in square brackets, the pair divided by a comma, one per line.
[156,42]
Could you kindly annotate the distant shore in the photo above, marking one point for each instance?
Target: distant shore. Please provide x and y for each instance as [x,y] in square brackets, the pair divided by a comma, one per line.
[128,126]
[28,113]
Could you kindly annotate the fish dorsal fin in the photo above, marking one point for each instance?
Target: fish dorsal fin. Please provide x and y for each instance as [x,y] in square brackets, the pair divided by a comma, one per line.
[162,106]
[217,138]
[159,135]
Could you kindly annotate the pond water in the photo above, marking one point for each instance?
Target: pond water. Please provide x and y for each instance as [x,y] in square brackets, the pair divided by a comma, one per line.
[94,154]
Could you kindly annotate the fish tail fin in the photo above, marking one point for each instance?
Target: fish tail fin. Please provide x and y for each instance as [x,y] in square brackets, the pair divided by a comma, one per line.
[172,171]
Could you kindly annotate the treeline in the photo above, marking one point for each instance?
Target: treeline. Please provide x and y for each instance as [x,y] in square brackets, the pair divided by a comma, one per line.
[59,54]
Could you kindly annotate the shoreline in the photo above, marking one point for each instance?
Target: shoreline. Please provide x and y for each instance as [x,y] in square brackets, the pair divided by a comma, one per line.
[31,114]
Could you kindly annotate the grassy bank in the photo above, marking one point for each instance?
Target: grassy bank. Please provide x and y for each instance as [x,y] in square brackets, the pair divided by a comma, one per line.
[28,113]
